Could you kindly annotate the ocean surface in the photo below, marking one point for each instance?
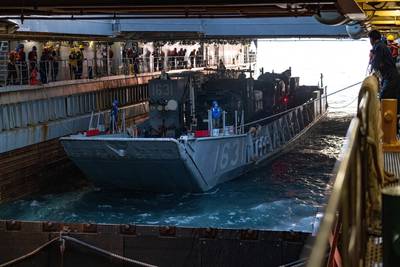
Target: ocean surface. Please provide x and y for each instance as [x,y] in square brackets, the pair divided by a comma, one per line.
[285,194]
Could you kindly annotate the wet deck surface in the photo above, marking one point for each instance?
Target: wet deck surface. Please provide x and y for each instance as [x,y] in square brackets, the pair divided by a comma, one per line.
[282,195]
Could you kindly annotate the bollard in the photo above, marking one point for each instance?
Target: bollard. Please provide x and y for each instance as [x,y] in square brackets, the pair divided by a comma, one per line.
[317,102]
[389,120]
[391,226]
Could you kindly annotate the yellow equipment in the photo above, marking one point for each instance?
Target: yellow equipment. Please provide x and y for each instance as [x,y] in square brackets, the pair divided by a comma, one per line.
[389,125]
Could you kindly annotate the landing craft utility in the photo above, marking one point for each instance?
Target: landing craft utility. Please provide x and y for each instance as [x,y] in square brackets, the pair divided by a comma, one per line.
[184,147]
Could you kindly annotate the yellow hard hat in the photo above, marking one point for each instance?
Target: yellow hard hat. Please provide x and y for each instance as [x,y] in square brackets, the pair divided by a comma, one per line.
[390,37]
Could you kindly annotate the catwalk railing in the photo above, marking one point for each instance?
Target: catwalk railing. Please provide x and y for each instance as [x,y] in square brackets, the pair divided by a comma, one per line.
[45,71]
[343,228]
[28,113]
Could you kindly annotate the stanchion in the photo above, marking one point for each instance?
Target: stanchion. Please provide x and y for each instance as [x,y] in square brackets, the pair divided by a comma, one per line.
[389,125]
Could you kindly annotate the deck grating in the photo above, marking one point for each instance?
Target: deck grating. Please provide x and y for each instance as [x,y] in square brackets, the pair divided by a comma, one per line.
[392,163]
[374,256]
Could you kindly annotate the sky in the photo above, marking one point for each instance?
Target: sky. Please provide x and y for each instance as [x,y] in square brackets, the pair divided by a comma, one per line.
[341,61]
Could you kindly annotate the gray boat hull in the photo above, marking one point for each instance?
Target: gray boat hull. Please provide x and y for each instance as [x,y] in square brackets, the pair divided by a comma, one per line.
[159,164]
[186,164]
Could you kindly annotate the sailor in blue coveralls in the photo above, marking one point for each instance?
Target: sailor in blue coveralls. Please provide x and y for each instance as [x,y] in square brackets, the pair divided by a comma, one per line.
[114,116]
[216,114]
[382,61]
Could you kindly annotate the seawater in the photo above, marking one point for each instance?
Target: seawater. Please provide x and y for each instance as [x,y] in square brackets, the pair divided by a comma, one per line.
[284,194]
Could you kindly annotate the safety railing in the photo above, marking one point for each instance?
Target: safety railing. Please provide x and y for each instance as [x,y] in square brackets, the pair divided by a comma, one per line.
[342,232]
[132,65]
[42,72]
[45,71]
[23,114]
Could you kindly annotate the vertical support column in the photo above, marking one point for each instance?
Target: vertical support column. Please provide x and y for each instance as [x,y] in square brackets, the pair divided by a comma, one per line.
[236,122]
[108,61]
[95,70]
[210,126]
[4,118]
[242,123]
[11,116]
[1,119]
[223,122]
[389,120]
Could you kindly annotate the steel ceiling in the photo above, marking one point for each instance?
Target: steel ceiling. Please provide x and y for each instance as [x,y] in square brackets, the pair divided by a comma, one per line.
[176,8]
[381,14]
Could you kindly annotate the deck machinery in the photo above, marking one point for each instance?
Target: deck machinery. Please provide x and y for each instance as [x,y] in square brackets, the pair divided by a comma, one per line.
[172,112]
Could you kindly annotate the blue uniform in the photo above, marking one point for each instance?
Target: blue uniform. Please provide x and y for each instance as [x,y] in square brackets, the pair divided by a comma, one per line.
[216,112]
[383,62]
[114,115]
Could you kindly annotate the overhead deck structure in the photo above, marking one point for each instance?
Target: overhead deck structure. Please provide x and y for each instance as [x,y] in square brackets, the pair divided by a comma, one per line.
[175,8]
[185,19]
[172,29]
[382,14]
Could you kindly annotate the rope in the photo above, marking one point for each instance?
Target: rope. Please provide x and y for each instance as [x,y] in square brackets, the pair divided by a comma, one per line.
[344,106]
[30,254]
[298,263]
[289,110]
[62,238]
[108,253]
[345,88]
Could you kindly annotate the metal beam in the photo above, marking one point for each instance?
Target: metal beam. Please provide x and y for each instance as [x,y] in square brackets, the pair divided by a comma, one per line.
[235,28]
[158,7]
[175,29]
[160,3]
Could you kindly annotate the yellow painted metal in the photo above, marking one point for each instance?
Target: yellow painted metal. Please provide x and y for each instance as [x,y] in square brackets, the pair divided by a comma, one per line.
[389,120]
[383,15]
[376,1]
[389,125]
[385,22]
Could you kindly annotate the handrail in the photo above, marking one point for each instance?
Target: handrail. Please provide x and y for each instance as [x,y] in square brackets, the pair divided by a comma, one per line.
[317,257]
[343,226]
[311,101]
[50,70]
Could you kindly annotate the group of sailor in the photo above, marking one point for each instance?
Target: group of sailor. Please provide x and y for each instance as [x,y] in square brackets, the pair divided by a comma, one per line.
[19,71]
[383,56]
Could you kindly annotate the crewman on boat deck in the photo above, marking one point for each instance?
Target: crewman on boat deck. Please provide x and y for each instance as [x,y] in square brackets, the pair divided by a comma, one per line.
[164,75]
[393,46]
[215,114]
[221,65]
[382,62]
[114,116]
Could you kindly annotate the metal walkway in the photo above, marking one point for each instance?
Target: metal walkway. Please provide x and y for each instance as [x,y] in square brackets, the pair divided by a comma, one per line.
[374,255]
[392,163]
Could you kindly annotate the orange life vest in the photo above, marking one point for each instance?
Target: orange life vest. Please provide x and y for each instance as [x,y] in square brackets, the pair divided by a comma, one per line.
[34,80]
[394,49]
